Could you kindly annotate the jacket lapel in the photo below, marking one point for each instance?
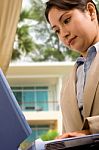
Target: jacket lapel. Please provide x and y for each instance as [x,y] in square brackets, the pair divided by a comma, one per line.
[69,104]
[91,85]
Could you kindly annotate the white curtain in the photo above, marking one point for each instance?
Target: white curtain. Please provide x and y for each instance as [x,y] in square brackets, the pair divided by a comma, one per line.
[9,16]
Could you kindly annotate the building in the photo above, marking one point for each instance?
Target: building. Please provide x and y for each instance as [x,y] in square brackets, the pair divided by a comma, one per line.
[37,89]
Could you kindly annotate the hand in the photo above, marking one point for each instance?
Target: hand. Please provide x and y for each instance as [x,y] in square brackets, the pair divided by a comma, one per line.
[74,134]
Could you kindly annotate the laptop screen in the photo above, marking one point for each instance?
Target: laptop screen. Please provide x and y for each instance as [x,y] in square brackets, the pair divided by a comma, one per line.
[13,125]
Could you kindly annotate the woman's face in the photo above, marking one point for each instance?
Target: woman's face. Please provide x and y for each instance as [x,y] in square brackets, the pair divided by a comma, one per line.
[77,30]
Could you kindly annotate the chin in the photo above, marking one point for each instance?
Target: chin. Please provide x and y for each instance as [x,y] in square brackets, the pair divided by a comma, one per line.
[77,49]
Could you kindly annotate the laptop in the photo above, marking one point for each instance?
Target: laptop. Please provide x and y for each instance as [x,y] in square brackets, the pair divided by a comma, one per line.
[13,126]
[87,142]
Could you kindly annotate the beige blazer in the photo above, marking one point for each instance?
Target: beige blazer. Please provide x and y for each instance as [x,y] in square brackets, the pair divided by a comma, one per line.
[71,116]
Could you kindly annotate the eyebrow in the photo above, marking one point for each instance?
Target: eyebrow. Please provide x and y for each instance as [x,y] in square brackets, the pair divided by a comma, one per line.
[59,19]
[53,27]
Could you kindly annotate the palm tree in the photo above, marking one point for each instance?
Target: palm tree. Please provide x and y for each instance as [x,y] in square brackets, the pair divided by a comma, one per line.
[23,41]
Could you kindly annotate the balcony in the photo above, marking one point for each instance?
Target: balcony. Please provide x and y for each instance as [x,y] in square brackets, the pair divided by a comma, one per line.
[40,106]
[38,98]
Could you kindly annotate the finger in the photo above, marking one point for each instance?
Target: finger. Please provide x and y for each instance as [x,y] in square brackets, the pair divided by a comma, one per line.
[65,135]
[75,134]
[70,134]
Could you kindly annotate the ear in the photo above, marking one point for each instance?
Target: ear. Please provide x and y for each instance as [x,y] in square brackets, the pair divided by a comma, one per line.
[91,10]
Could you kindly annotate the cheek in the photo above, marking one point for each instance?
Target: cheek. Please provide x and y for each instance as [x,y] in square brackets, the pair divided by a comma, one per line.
[77,30]
[82,32]
[87,34]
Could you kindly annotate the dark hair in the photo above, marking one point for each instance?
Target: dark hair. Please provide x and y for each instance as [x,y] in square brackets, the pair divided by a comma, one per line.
[68,5]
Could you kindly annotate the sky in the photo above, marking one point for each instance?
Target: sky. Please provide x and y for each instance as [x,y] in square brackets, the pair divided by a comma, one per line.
[25,4]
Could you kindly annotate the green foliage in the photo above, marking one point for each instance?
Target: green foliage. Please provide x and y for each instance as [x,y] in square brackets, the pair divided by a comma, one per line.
[97,3]
[25,14]
[50,135]
[16,54]
[23,40]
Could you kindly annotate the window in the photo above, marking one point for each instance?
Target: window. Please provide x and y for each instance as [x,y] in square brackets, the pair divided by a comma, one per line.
[32,98]
[18,96]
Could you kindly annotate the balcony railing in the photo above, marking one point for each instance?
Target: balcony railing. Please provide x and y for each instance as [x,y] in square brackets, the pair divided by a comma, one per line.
[40,106]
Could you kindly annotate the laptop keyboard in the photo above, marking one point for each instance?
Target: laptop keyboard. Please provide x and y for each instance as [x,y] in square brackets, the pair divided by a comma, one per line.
[55,146]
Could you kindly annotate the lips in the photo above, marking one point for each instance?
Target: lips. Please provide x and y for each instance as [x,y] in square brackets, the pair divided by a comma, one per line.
[70,41]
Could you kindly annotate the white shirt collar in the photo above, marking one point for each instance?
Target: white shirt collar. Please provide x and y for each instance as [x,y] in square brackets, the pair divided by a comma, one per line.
[97,46]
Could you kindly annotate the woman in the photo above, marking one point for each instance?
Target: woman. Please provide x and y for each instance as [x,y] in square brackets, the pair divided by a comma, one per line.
[76,23]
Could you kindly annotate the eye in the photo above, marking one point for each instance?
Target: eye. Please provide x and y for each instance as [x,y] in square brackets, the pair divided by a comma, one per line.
[67,20]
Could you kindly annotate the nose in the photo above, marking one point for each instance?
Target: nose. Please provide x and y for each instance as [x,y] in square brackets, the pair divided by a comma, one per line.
[64,33]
